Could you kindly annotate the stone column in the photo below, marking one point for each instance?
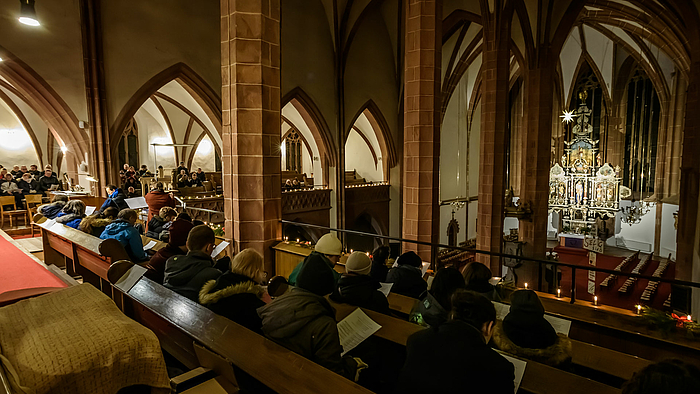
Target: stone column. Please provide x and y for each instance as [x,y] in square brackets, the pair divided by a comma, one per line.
[534,186]
[421,219]
[494,117]
[250,74]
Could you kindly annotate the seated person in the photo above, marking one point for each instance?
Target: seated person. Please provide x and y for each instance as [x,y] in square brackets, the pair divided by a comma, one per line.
[131,182]
[407,276]
[132,172]
[183,180]
[434,309]
[287,185]
[476,278]
[3,172]
[303,321]
[357,288]
[182,168]
[115,198]
[177,245]
[458,353]
[8,187]
[237,293]
[48,182]
[15,171]
[296,184]
[379,268]
[143,172]
[34,170]
[187,274]
[131,192]
[124,231]
[157,224]
[72,214]
[525,332]
[22,170]
[194,180]
[50,211]
[672,376]
[27,184]
[201,175]
[95,224]
[324,257]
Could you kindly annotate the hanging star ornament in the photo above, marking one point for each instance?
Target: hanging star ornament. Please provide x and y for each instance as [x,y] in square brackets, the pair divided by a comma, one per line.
[568,116]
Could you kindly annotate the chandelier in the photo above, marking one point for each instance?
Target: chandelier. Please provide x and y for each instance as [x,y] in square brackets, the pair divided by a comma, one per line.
[633,214]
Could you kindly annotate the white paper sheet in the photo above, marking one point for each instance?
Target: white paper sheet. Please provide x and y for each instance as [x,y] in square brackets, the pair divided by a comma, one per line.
[89,210]
[136,202]
[149,245]
[354,329]
[501,309]
[219,248]
[49,222]
[386,288]
[126,282]
[519,369]
[561,326]
[424,269]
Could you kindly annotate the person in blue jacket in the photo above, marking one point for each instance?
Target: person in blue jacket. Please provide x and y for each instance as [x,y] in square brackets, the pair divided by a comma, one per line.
[123,230]
[115,198]
[72,214]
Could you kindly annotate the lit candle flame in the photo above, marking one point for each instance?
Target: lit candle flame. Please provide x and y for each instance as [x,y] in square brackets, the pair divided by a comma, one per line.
[526,285]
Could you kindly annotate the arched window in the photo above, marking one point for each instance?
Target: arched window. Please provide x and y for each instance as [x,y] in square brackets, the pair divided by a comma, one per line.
[641,131]
[129,145]
[452,231]
[292,151]
[588,82]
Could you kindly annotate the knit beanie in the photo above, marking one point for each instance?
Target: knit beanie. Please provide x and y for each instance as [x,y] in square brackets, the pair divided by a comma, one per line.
[179,231]
[410,258]
[316,277]
[358,263]
[525,324]
[329,244]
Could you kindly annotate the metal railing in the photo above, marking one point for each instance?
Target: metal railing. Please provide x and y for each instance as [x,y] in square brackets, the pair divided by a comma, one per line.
[530,260]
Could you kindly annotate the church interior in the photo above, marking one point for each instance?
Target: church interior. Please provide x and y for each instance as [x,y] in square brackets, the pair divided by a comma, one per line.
[547,146]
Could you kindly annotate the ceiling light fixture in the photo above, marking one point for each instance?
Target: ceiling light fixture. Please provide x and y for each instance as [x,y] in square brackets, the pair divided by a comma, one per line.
[27,14]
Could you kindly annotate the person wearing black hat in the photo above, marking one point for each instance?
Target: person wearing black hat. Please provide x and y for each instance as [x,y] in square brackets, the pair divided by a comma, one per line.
[434,308]
[379,268]
[357,288]
[407,276]
[526,333]
[303,321]
[457,353]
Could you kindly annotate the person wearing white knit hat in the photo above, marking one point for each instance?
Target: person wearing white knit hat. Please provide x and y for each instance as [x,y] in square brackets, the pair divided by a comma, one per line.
[357,288]
[326,255]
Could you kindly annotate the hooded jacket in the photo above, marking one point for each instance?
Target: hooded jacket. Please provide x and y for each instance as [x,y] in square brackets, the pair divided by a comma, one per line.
[460,362]
[50,211]
[128,236]
[236,297]
[94,226]
[69,219]
[362,291]
[304,323]
[556,355]
[428,312]
[155,227]
[157,262]
[186,275]
[407,281]
[116,199]
[318,260]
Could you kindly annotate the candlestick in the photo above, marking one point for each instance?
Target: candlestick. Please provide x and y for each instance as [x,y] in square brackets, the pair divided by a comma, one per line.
[595,300]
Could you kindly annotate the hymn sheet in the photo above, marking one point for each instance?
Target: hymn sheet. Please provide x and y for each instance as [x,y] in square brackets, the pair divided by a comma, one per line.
[386,288]
[519,369]
[354,329]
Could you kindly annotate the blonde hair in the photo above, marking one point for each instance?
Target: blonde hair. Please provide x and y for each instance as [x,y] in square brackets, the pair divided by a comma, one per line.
[166,211]
[248,262]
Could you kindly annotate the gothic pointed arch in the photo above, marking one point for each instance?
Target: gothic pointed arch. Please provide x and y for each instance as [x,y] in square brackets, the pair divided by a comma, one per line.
[314,119]
[379,124]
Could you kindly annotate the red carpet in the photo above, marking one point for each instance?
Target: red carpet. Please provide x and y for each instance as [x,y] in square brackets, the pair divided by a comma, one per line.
[610,295]
[21,272]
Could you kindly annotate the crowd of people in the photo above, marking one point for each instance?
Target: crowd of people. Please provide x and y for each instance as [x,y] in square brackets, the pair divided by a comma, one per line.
[21,181]
[189,179]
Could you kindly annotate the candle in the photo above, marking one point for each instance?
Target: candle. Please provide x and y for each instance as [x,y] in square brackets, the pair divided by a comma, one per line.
[639,308]
[526,285]
[558,292]
[350,251]
[689,318]
[595,300]
[297,240]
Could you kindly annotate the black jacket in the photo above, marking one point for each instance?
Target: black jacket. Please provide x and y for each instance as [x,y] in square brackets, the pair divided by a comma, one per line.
[361,290]
[155,227]
[407,281]
[379,272]
[116,200]
[186,275]
[459,360]
[46,182]
[50,211]
[236,297]
[27,187]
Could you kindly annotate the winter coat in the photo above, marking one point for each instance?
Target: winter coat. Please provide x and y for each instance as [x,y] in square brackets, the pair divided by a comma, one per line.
[155,227]
[460,362]
[318,258]
[50,211]
[304,323]
[428,312]
[235,297]
[186,275]
[69,219]
[557,355]
[9,187]
[45,183]
[28,187]
[94,226]
[379,272]
[157,200]
[116,199]
[128,236]
[158,260]
[362,291]
[407,281]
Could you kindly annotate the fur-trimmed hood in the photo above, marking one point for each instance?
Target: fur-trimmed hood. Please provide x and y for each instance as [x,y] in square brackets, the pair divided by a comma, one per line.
[215,290]
[555,355]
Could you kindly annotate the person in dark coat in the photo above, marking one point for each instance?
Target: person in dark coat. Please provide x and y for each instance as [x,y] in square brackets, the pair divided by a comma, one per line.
[324,257]
[379,268]
[124,231]
[527,334]
[671,376]
[177,246]
[158,223]
[407,276]
[303,321]
[182,168]
[157,199]
[95,224]
[435,307]
[34,170]
[194,180]
[201,175]
[72,214]
[186,275]
[237,293]
[115,198]
[458,353]
[476,278]
[50,211]
[27,184]
[47,181]
[357,288]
